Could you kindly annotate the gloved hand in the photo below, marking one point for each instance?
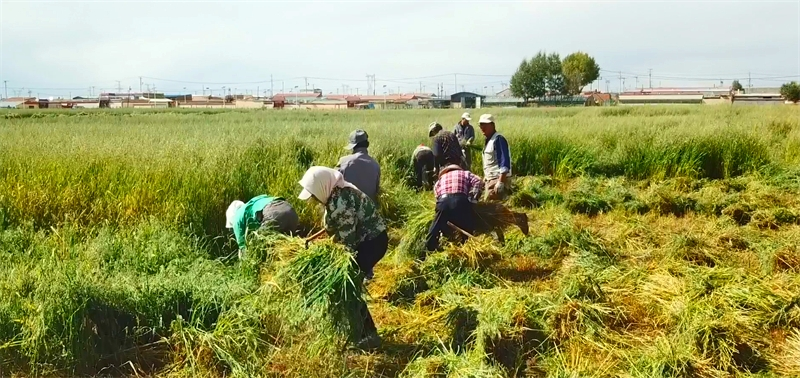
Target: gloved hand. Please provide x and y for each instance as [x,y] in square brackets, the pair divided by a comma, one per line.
[500,187]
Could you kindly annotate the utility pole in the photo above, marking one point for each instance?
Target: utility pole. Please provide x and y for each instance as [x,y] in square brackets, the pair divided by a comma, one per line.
[748,81]
[270,85]
[119,87]
[607,89]
[620,82]
[455,88]
[5,88]
[258,89]
[283,87]
[651,78]
[420,87]
[637,82]
[306,84]
[140,84]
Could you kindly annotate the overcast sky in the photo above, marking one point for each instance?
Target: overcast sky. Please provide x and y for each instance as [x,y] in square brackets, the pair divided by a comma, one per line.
[64,47]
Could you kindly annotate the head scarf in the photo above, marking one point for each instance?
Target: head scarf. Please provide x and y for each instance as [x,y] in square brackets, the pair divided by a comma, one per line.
[230,214]
[320,182]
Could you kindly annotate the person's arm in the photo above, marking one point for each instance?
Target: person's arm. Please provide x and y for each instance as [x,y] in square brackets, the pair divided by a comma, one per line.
[475,186]
[470,134]
[341,220]
[503,157]
[239,231]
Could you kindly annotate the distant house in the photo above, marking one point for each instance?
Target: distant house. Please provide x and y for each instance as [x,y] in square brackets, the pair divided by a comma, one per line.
[505,93]
[465,100]
[672,99]
[502,102]
[758,99]
[11,104]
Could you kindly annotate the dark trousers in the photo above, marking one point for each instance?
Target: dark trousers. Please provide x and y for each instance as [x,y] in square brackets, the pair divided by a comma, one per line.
[424,165]
[455,209]
[368,253]
[279,216]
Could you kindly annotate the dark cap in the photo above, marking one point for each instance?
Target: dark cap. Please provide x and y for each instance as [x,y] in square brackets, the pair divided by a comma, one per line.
[355,138]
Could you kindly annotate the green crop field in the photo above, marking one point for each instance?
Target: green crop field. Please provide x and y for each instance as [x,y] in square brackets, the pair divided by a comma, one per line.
[665,242]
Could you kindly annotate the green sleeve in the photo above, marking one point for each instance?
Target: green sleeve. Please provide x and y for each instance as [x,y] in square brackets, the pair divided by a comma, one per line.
[239,230]
[341,220]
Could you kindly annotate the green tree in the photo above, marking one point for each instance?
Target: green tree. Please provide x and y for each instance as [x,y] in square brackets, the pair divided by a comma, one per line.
[791,91]
[736,86]
[518,81]
[579,70]
[555,85]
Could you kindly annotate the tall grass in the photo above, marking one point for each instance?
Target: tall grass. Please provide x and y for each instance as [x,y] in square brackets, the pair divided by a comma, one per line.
[663,243]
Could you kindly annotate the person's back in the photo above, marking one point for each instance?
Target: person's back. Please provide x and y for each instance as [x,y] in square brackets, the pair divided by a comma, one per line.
[424,166]
[363,171]
[359,168]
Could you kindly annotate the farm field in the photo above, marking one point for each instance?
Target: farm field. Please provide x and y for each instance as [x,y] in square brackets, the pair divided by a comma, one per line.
[665,242]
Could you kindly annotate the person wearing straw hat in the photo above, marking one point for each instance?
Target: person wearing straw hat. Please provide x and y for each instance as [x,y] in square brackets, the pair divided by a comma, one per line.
[446,149]
[353,220]
[496,160]
[359,168]
[261,212]
[466,135]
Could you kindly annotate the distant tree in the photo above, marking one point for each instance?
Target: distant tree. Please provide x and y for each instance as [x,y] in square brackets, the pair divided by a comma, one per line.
[538,77]
[579,70]
[555,83]
[518,81]
[791,91]
[736,86]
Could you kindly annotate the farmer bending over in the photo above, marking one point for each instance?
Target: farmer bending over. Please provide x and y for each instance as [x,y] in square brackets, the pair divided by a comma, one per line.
[260,212]
[352,219]
[496,161]
[456,191]
[424,167]
[446,149]
[359,168]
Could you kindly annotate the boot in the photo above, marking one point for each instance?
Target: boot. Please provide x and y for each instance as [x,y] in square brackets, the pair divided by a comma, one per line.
[522,222]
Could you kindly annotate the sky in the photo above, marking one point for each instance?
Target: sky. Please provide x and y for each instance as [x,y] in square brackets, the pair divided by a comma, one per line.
[61,48]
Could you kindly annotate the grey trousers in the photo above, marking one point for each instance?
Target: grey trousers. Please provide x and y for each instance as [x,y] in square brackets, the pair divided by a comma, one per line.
[279,216]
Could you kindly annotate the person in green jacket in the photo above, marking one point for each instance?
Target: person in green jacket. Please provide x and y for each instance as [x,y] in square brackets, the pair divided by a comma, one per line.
[260,212]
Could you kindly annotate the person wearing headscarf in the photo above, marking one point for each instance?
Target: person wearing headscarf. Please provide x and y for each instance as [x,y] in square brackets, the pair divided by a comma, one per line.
[261,212]
[445,146]
[352,219]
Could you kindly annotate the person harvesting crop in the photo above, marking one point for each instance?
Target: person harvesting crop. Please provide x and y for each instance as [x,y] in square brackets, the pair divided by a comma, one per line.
[466,135]
[424,167]
[359,168]
[352,219]
[261,211]
[456,191]
[446,149]
[496,160]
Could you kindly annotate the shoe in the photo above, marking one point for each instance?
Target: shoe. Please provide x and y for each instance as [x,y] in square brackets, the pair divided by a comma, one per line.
[370,342]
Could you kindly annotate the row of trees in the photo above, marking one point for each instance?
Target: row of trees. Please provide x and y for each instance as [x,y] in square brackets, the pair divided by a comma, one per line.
[791,91]
[548,75]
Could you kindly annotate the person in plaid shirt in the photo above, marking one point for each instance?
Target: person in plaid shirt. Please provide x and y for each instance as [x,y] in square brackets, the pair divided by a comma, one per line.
[456,191]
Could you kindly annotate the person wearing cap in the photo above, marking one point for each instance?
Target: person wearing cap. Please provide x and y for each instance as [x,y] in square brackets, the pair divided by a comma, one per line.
[456,190]
[261,212]
[496,160]
[445,147]
[424,167]
[353,220]
[359,168]
[466,135]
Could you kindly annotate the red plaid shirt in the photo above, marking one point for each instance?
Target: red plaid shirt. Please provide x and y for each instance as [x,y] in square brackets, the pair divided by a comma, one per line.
[459,182]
